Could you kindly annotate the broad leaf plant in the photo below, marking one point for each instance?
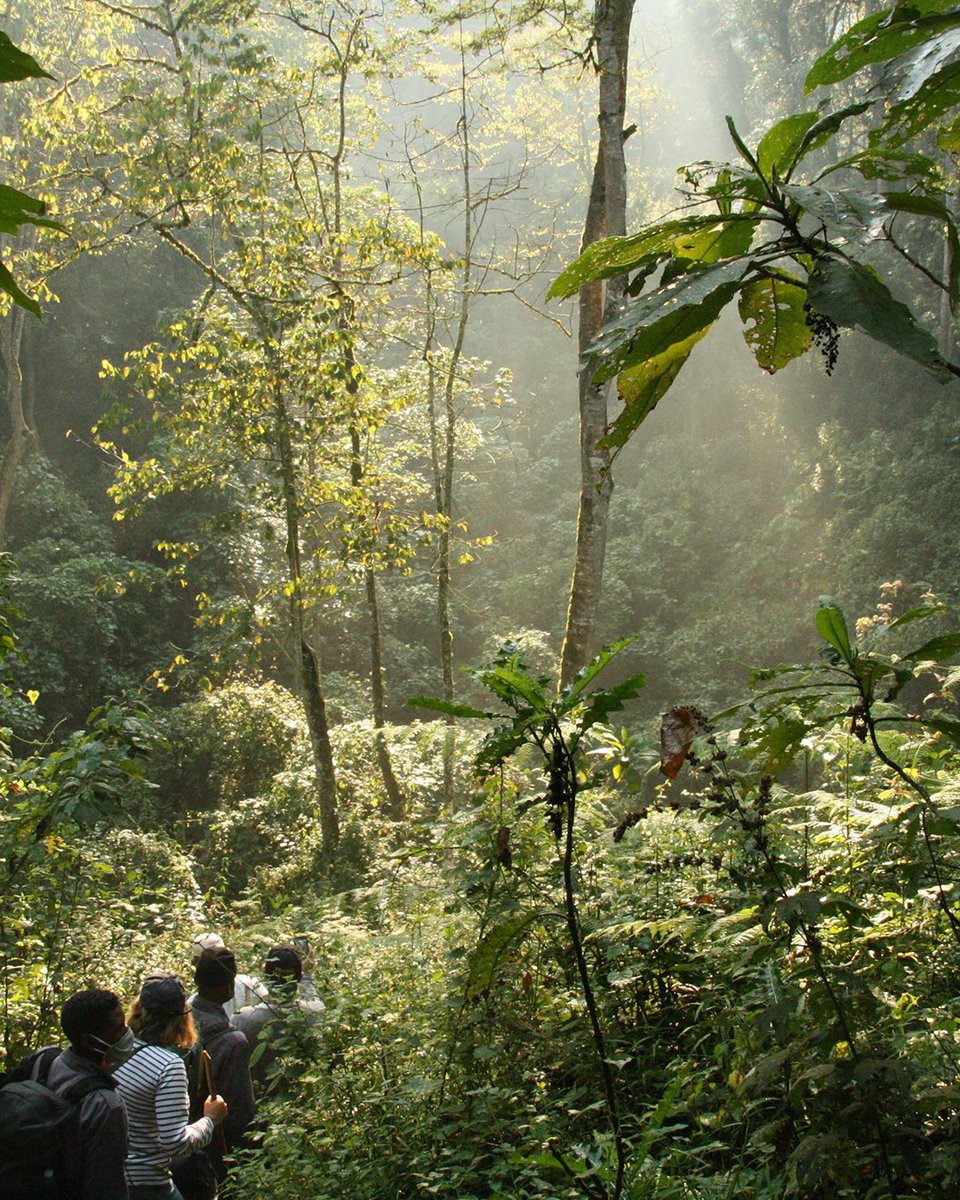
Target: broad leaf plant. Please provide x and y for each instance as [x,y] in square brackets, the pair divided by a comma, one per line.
[791,235]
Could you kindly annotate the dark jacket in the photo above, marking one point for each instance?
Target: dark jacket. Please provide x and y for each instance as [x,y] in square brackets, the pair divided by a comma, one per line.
[102,1143]
[230,1055]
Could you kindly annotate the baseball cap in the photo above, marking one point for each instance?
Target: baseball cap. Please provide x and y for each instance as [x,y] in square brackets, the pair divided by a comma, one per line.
[164,996]
[206,941]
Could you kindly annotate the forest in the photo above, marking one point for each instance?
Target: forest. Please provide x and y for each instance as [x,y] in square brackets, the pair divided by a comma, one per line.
[480,490]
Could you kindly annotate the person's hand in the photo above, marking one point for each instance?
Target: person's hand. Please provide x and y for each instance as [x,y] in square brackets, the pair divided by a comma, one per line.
[215,1107]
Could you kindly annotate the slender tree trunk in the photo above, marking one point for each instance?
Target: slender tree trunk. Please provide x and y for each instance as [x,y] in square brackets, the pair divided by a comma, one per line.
[396,802]
[308,665]
[443,449]
[22,436]
[599,303]
[442,497]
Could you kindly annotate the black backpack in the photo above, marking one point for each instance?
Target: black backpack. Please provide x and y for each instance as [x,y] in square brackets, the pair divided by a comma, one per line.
[40,1130]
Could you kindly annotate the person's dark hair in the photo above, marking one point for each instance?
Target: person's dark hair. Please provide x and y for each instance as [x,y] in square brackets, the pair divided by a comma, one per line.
[282,964]
[87,1012]
[215,967]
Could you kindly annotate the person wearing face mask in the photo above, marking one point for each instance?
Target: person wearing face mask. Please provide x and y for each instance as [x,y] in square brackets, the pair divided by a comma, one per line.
[100,1040]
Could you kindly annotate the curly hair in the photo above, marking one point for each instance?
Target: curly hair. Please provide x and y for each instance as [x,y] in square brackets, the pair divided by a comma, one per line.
[177,1032]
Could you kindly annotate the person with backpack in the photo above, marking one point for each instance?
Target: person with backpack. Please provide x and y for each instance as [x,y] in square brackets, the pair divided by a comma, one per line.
[281,1021]
[214,974]
[153,1086]
[63,1126]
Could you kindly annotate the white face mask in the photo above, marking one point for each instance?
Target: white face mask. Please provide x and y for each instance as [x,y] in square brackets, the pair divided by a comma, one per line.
[117,1052]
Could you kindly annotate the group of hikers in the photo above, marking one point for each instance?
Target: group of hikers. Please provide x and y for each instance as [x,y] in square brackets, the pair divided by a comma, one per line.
[148,1105]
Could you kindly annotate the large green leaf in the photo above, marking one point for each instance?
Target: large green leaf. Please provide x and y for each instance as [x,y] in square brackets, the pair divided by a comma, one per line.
[9,285]
[857,215]
[610,700]
[945,646]
[586,675]
[936,102]
[832,627]
[614,256]
[888,164]
[17,208]
[672,313]
[513,685]
[727,240]
[852,296]
[779,146]
[921,65]
[819,134]
[489,954]
[932,206]
[17,64]
[642,387]
[775,321]
[880,38]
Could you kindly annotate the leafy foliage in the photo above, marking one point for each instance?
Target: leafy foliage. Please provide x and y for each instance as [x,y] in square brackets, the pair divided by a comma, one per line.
[16,207]
[796,255]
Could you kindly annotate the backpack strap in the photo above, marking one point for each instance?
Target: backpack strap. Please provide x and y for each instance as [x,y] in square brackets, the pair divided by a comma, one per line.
[209,1038]
[38,1065]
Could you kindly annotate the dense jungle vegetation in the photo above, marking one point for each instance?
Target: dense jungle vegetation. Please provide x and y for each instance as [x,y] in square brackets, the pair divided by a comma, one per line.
[291,298]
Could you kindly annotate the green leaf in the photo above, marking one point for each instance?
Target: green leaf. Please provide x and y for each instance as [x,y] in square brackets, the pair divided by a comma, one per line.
[877,39]
[832,627]
[727,240]
[852,296]
[17,64]
[586,675]
[819,134]
[922,613]
[610,700]
[487,957]
[778,148]
[775,321]
[615,256]
[885,163]
[937,649]
[9,285]
[671,314]
[922,65]
[17,208]
[936,101]
[510,683]
[643,386]
[857,215]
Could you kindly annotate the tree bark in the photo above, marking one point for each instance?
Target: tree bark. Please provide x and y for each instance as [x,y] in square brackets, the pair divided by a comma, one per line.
[599,303]
[396,804]
[22,436]
[308,664]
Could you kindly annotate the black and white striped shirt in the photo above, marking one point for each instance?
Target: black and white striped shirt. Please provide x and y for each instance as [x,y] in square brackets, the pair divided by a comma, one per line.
[153,1087]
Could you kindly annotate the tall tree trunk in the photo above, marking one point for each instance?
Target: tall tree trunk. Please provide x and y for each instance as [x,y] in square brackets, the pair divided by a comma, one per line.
[378,691]
[307,660]
[599,303]
[22,436]
[396,804]
[443,445]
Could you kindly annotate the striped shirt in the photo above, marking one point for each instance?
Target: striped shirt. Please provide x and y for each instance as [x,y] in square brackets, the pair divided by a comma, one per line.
[153,1086]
